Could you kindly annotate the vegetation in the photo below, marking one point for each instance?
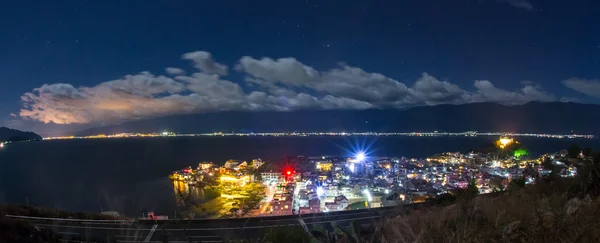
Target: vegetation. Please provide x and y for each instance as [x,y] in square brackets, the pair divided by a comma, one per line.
[23,210]
[18,231]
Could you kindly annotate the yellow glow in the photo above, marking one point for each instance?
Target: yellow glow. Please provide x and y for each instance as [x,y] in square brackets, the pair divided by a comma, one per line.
[504,141]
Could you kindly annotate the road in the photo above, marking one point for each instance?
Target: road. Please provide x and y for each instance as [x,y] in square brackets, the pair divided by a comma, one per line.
[204,230]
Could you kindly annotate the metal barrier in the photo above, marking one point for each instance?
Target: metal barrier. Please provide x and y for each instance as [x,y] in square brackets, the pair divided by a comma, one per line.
[88,221]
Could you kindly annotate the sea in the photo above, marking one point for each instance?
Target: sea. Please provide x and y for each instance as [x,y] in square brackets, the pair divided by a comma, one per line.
[129,175]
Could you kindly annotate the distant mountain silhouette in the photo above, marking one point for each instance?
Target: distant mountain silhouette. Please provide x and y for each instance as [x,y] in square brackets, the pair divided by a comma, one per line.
[534,117]
[7,134]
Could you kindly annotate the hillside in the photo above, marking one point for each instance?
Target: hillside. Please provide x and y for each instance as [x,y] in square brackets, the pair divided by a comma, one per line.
[12,135]
[532,117]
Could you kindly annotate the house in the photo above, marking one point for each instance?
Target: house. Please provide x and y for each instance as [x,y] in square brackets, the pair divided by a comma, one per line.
[333,206]
[314,206]
[256,163]
[342,201]
[281,204]
[205,165]
[270,177]
[235,164]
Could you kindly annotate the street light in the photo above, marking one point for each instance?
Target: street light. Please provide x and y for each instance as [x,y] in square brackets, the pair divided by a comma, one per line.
[369,198]
[360,156]
[351,167]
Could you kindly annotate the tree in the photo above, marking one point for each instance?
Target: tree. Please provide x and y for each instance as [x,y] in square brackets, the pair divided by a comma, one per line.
[587,151]
[547,164]
[573,151]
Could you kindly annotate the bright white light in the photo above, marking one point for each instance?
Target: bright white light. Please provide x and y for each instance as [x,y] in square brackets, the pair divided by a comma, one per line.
[351,167]
[369,198]
[1,145]
[360,156]
[320,191]
[387,191]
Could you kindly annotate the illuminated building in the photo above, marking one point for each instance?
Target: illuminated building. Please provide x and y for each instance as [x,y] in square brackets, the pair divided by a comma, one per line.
[270,177]
[234,181]
[235,164]
[314,206]
[324,165]
[504,141]
[256,163]
[281,204]
[205,165]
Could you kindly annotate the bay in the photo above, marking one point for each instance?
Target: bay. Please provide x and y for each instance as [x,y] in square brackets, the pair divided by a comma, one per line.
[130,175]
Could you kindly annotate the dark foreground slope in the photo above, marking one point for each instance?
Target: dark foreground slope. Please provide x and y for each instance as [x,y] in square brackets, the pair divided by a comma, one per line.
[12,135]
[532,117]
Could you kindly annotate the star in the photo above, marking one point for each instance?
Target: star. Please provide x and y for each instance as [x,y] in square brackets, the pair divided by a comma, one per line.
[76,41]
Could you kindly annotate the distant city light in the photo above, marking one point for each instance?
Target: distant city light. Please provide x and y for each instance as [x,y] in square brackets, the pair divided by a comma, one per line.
[360,156]
[387,191]
[288,172]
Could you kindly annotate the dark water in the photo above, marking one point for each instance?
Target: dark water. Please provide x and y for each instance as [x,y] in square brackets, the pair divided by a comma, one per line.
[129,175]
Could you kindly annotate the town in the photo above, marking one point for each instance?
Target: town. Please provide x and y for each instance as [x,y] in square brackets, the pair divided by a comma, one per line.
[303,185]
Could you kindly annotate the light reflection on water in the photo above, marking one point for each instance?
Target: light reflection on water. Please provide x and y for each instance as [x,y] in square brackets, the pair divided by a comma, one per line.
[183,191]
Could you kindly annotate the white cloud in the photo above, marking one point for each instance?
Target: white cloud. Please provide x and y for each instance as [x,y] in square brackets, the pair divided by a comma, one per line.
[174,71]
[487,92]
[282,84]
[589,87]
[204,62]
[524,4]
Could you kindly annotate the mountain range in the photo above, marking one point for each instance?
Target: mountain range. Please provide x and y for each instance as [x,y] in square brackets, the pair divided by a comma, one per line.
[12,135]
[534,117]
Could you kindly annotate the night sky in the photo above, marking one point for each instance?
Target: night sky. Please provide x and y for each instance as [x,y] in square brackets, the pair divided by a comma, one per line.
[68,65]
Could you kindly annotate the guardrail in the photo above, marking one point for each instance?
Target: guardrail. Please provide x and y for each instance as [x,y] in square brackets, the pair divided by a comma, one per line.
[83,221]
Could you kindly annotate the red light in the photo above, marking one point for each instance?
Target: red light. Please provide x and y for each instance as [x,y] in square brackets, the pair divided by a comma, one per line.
[186,171]
[289,172]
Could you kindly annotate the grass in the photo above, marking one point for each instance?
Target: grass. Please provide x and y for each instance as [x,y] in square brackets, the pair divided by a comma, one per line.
[522,215]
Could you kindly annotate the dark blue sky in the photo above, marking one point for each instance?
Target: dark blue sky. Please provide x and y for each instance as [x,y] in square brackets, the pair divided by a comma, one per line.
[511,43]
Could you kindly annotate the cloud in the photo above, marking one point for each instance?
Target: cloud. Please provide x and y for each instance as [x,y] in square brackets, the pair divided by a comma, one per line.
[524,4]
[174,71]
[204,62]
[570,99]
[286,74]
[585,86]
[487,92]
[283,84]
